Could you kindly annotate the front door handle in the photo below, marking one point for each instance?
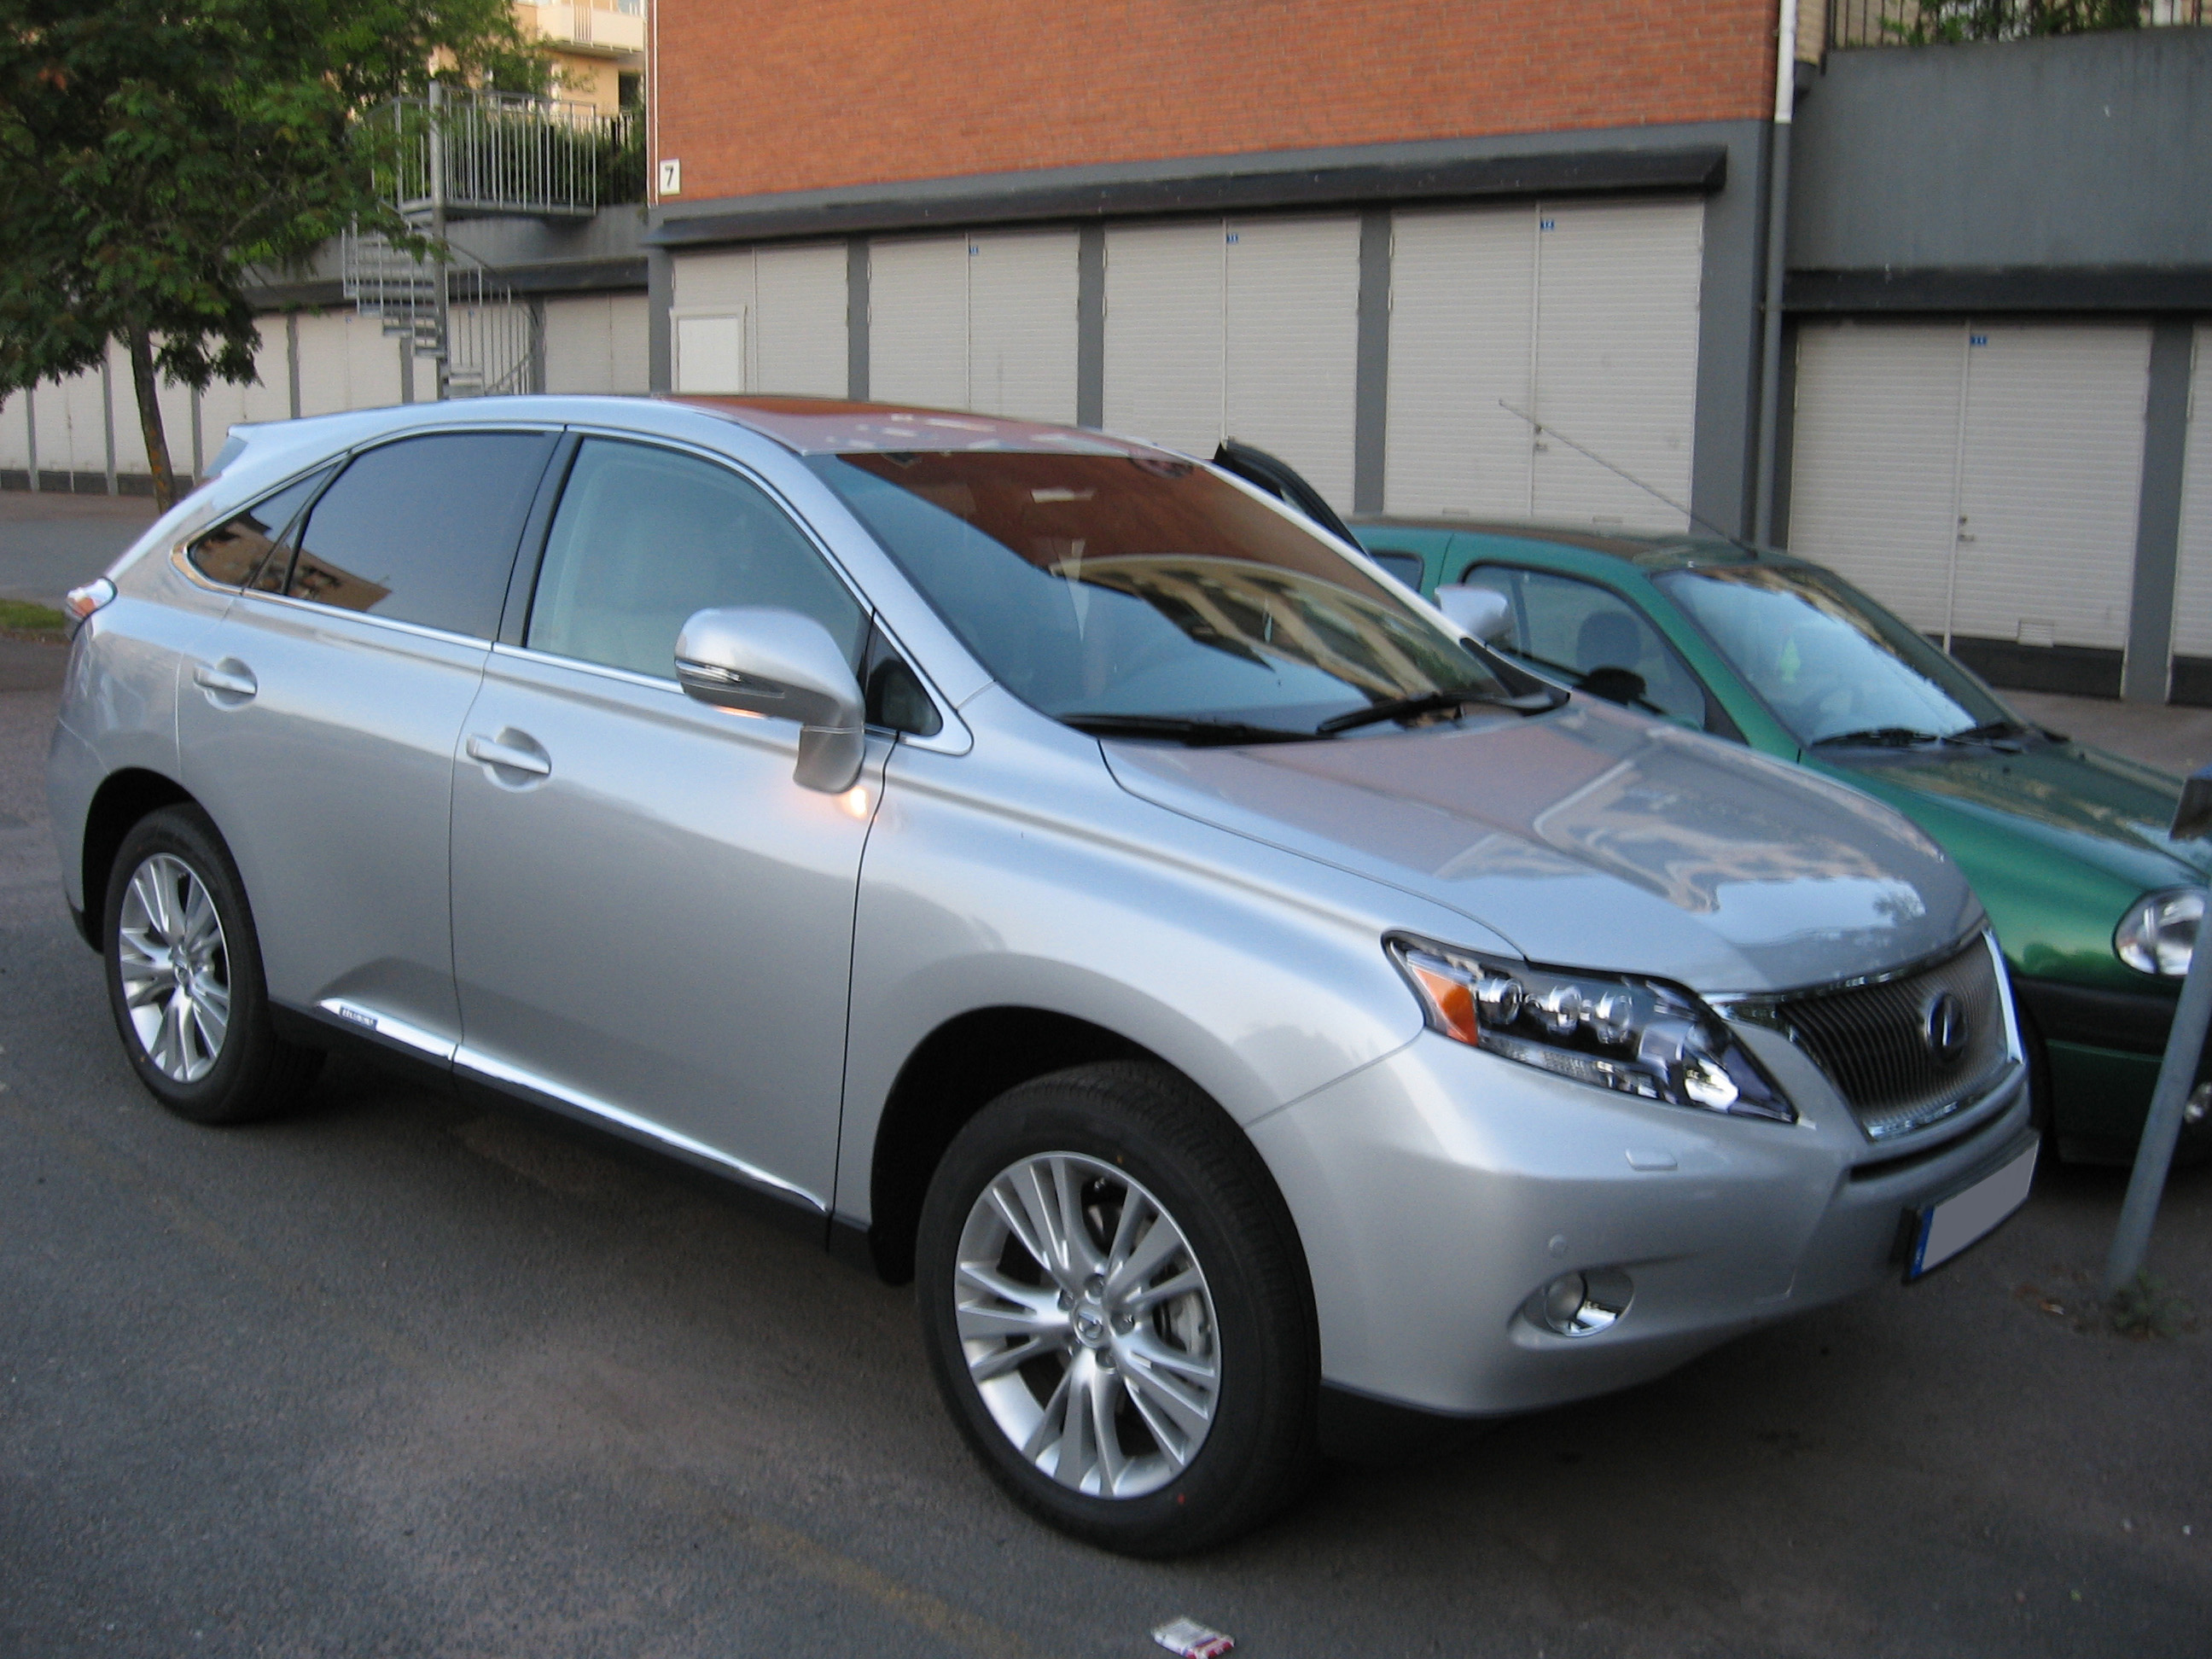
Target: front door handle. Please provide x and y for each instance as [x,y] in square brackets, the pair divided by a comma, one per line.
[229,682]
[511,751]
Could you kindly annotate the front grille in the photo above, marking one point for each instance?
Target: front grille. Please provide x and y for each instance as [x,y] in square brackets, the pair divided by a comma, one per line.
[1872,1039]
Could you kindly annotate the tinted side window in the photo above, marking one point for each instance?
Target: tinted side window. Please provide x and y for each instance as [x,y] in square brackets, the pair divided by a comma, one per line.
[424,530]
[1560,622]
[645,536]
[231,551]
[1406,566]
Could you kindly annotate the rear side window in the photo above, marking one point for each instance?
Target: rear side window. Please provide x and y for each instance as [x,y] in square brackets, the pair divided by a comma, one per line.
[424,530]
[645,536]
[235,549]
[1406,566]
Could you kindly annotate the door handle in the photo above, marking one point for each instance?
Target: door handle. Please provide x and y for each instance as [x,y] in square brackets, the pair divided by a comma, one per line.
[509,756]
[230,681]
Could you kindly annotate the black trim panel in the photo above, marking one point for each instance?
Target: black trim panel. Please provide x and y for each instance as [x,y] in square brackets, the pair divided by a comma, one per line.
[2000,287]
[2191,681]
[2075,671]
[1700,167]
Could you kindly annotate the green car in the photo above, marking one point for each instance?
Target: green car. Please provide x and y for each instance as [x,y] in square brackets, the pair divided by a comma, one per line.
[2097,908]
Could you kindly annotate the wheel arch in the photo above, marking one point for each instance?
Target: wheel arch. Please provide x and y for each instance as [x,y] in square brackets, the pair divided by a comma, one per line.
[966,1062]
[122,799]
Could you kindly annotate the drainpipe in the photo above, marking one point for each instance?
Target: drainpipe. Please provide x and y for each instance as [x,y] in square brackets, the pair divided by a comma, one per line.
[1777,228]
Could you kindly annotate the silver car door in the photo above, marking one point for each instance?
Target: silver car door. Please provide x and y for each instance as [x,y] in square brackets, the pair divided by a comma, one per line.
[319,724]
[652,921]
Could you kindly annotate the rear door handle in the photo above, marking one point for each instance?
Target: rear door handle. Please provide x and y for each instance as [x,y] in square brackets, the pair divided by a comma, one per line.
[230,680]
[508,755]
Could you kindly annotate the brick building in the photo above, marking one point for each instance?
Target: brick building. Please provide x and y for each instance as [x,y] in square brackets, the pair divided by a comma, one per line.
[1346,232]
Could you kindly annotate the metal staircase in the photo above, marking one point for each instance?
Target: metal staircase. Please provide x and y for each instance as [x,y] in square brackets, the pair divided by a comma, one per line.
[473,156]
[456,310]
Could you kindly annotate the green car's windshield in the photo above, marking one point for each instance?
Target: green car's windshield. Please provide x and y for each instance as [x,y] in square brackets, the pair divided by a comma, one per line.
[1142,592]
[1835,667]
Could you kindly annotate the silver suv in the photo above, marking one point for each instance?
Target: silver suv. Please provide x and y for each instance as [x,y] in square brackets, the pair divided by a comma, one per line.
[1042,865]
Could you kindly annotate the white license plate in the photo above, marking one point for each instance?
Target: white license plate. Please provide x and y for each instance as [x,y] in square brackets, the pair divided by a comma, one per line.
[1942,1230]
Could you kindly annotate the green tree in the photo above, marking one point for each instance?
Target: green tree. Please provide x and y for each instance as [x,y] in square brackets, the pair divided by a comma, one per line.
[156,154]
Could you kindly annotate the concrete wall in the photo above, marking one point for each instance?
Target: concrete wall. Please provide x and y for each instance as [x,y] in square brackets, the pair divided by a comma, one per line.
[2082,151]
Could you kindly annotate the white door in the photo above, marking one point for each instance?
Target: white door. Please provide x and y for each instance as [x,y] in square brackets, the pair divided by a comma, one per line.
[1021,324]
[710,351]
[596,342]
[1164,344]
[918,322]
[1290,321]
[2192,593]
[1981,479]
[1584,315]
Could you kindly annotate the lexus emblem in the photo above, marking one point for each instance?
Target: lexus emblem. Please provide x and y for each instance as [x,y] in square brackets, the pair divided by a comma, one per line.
[1945,1031]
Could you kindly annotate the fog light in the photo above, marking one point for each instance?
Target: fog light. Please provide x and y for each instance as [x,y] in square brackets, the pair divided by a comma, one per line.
[1581,1304]
[2199,1103]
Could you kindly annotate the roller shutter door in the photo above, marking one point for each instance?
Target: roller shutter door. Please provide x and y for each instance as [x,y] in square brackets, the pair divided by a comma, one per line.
[918,322]
[770,319]
[2192,596]
[1981,479]
[15,432]
[1293,325]
[1246,329]
[1164,345]
[346,361]
[1021,324]
[1584,315]
[596,342]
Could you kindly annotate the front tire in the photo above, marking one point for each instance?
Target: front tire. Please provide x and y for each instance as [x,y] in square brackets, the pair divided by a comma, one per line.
[1115,1310]
[184,976]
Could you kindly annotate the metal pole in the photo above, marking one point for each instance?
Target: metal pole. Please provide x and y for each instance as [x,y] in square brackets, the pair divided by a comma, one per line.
[1777,251]
[107,412]
[2177,1073]
[443,361]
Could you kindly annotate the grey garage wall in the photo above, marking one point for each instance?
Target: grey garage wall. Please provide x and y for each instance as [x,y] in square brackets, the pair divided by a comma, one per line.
[2085,152]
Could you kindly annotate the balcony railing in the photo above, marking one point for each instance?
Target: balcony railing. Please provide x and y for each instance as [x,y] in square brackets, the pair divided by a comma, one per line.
[1932,23]
[483,155]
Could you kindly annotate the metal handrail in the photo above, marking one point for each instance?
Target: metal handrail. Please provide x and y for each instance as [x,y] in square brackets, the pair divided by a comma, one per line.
[503,154]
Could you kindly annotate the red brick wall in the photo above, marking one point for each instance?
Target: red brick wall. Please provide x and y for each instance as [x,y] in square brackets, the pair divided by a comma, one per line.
[792,94]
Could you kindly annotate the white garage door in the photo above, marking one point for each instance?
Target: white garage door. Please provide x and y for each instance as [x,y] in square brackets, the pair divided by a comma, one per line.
[2192,594]
[768,320]
[1247,328]
[15,432]
[596,342]
[985,321]
[1978,479]
[1584,315]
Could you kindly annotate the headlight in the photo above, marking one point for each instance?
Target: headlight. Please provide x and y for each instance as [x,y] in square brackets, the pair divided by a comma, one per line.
[1639,1037]
[2158,934]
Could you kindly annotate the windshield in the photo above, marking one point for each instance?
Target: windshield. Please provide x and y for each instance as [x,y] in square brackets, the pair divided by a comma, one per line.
[1831,665]
[1146,588]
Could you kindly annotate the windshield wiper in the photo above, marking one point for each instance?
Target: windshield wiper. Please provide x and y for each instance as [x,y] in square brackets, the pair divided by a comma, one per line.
[1993,731]
[1880,736]
[1199,733]
[1435,703]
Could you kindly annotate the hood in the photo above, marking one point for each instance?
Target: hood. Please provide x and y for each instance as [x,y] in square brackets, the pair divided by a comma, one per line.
[1592,838]
[2067,798]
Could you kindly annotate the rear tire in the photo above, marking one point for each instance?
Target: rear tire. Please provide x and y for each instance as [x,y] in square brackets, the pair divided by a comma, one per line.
[184,976]
[1116,1310]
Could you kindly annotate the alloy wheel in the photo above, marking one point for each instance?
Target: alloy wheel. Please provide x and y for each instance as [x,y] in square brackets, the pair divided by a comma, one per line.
[1087,1326]
[175,968]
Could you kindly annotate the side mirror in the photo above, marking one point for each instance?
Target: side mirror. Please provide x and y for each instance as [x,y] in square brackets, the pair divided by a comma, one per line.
[785,665]
[1482,613]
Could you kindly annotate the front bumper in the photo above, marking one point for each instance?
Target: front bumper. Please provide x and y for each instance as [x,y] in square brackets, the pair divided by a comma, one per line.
[2104,1049]
[1437,1190]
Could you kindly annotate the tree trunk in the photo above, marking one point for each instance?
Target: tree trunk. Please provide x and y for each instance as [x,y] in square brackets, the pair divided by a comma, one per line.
[140,345]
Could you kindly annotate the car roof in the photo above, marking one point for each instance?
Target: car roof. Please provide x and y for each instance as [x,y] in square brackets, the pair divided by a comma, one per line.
[1655,550]
[830,426]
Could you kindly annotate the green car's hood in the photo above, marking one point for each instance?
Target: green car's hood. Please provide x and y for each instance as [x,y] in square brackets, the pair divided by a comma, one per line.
[2088,805]
[2058,840]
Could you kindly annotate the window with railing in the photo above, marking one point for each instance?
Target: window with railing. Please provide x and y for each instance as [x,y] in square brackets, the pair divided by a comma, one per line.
[1934,23]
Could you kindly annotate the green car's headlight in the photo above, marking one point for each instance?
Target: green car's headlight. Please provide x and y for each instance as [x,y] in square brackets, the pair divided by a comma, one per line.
[2158,935]
[1639,1037]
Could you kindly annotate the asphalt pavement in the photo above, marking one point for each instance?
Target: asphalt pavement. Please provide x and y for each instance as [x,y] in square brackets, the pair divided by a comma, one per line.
[396,1376]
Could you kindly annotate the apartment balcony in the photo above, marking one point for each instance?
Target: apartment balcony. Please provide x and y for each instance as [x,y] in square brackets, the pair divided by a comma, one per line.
[610,28]
[1944,22]
[482,155]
